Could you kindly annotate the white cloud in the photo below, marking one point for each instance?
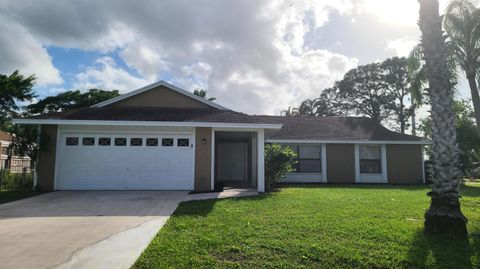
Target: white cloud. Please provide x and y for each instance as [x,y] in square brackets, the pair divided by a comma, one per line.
[20,51]
[105,74]
[249,54]
[401,46]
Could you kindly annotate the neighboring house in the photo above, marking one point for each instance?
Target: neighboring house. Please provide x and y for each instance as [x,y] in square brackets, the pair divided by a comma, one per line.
[161,137]
[17,163]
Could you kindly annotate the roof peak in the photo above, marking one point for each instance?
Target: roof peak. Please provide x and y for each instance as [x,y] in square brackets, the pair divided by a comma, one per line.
[157,84]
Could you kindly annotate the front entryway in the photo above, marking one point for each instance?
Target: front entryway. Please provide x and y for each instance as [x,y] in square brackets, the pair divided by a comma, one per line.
[234,165]
[232,160]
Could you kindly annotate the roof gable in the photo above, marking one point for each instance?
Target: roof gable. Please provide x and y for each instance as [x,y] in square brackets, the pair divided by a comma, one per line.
[160,94]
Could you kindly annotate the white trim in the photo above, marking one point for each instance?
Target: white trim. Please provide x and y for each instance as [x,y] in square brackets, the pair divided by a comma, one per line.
[212,161]
[304,141]
[371,177]
[383,152]
[150,123]
[324,163]
[261,160]
[194,148]
[157,84]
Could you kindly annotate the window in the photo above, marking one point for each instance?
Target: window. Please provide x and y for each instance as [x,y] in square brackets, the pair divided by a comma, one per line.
[167,142]
[4,151]
[120,141]
[370,159]
[104,141]
[308,158]
[152,142]
[136,141]
[71,141]
[88,141]
[183,142]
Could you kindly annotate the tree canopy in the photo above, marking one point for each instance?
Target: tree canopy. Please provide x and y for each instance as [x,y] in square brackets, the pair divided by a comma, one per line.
[70,100]
[14,89]
[380,91]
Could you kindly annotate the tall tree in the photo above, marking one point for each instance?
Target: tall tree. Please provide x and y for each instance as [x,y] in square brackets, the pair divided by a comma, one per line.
[396,77]
[417,78]
[71,100]
[462,25]
[364,91]
[13,89]
[444,215]
[203,93]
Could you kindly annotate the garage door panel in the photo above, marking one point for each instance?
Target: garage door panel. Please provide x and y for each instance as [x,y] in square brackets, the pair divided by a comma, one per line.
[125,167]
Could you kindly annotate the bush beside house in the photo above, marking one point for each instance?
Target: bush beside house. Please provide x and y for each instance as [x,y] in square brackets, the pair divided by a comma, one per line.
[278,162]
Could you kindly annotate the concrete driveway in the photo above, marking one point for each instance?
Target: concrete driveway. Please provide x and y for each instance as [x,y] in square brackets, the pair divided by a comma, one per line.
[82,229]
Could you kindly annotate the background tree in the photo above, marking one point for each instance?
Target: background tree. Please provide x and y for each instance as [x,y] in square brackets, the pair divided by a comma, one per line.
[417,77]
[396,79]
[13,89]
[70,100]
[462,25]
[444,215]
[290,111]
[468,138]
[364,91]
[203,93]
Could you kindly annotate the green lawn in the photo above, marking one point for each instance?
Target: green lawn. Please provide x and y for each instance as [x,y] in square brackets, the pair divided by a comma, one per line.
[321,226]
[12,195]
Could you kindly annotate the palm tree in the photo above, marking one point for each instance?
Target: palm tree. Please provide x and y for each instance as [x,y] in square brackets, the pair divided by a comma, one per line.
[418,82]
[444,215]
[462,25]
[307,107]
[290,111]
[203,93]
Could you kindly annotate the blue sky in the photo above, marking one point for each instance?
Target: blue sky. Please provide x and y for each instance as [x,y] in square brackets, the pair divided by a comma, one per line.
[253,56]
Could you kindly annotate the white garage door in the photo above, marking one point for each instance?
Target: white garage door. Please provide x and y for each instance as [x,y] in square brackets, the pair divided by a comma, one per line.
[116,161]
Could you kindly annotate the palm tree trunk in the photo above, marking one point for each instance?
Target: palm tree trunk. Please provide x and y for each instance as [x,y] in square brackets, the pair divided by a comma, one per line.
[475,97]
[444,215]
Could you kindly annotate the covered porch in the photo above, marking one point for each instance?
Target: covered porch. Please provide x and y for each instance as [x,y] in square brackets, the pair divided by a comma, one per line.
[238,159]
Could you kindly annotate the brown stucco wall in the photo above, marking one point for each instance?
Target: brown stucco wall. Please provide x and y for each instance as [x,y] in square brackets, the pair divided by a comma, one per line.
[160,97]
[203,157]
[340,163]
[46,160]
[404,164]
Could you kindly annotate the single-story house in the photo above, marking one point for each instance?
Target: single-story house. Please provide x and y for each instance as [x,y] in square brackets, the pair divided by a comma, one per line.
[161,137]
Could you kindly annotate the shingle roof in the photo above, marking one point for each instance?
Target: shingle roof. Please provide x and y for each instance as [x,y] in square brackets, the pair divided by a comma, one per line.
[299,128]
[334,128]
[153,114]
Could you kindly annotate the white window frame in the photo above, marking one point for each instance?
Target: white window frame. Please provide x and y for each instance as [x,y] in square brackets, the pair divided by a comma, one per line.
[300,177]
[371,177]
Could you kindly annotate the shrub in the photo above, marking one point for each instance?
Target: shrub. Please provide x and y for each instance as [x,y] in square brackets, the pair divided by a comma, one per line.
[278,162]
[15,181]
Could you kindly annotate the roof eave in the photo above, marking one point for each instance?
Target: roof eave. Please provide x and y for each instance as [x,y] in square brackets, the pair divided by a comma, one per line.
[346,141]
[150,123]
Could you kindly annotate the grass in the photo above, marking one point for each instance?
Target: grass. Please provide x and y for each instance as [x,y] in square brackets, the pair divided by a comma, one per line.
[12,195]
[314,226]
